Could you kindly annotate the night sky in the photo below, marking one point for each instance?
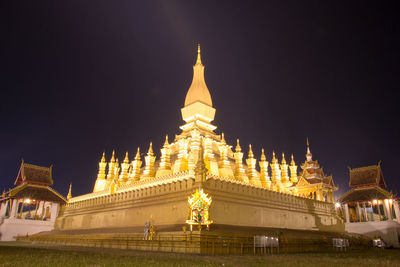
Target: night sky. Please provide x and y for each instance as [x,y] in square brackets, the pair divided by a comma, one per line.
[82,77]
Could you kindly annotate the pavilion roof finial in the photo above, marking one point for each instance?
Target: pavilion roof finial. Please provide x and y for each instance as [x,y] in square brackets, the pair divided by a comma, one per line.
[69,192]
[308,155]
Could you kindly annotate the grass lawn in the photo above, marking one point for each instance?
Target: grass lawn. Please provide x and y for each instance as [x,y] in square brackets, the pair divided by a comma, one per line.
[23,254]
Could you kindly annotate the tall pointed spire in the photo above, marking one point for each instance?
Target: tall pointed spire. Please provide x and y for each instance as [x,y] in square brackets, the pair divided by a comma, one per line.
[136,164]
[123,177]
[223,139]
[198,55]
[111,165]
[264,177]
[284,172]
[198,90]
[254,179]
[148,172]
[101,175]
[275,173]
[240,172]
[224,165]
[293,171]
[198,111]
[308,155]
[165,165]
[69,196]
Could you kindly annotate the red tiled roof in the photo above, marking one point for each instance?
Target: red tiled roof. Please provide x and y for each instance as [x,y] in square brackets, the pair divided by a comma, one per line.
[369,175]
[29,173]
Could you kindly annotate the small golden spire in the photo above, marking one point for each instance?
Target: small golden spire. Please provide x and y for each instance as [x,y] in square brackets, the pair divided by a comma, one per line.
[69,192]
[198,55]
[273,154]
[263,158]
[238,148]
[223,139]
[251,155]
[126,160]
[150,152]
[137,154]
[134,176]
[103,158]
[113,157]
[149,159]
[292,162]
[166,144]
[283,158]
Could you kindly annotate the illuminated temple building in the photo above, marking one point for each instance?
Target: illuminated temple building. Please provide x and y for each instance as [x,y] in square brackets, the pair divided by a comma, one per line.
[224,185]
[369,209]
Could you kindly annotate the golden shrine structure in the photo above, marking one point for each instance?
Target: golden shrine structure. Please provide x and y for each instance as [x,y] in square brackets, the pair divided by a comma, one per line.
[200,180]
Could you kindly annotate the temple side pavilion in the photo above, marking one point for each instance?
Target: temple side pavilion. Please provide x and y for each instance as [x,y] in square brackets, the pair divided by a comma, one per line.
[32,205]
[201,180]
[369,208]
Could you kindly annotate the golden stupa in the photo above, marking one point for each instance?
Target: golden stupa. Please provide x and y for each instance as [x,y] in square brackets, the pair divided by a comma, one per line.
[200,179]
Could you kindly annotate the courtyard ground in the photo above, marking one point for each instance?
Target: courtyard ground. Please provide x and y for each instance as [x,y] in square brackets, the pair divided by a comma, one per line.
[25,254]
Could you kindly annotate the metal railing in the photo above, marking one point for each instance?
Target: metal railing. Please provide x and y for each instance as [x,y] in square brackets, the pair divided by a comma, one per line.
[211,244]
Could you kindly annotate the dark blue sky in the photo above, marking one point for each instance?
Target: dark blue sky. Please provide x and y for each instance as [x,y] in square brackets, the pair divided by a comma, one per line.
[82,77]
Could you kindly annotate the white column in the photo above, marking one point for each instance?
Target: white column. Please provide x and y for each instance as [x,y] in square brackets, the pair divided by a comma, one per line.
[54,211]
[40,209]
[358,209]
[346,212]
[3,208]
[387,208]
[396,210]
[365,212]
[13,208]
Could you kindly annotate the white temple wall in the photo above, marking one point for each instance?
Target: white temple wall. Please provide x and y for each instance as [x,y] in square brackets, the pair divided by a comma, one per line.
[10,228]
[389,231]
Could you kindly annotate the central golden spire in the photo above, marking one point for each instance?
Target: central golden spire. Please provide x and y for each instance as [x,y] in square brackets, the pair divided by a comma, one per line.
[198,111]
[198,91]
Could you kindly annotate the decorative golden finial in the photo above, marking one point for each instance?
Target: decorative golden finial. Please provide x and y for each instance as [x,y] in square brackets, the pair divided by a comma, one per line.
[126,160]
[293,171]
[238,148]
[103,158]
[308,155]
[165,160]
[150,152]
[166,144]
[138,154]
[283,158]
[273,154]
[198,55]
[69,192]
[134,176]
[113,156]
[223,139]
[149,167]
[263,158]
[251,155]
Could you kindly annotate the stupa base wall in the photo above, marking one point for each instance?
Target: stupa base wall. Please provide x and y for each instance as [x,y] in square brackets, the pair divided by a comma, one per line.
[233,204]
